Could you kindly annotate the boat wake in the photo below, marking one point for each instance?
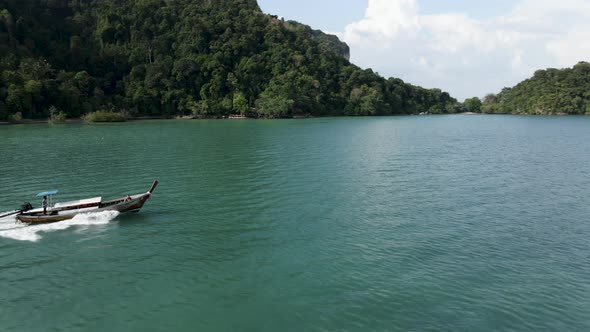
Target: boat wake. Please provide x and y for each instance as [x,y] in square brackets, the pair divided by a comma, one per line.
[23,232]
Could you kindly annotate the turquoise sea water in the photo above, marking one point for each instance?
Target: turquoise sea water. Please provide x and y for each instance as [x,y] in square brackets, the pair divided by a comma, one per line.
[435,223]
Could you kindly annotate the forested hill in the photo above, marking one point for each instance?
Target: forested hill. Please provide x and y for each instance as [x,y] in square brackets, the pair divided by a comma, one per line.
[184,57]
[326,42]
[551,91]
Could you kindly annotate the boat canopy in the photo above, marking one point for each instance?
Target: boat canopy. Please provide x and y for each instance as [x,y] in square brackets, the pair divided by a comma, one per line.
[90,201]
[47,193]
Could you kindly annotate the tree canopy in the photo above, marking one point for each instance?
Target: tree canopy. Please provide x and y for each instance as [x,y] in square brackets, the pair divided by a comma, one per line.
[184,57]
[550,91]
[473,104]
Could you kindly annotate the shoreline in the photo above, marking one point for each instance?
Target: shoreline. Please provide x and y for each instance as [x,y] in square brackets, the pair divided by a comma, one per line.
[188,117]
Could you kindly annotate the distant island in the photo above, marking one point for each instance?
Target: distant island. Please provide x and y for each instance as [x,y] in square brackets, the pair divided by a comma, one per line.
[193,58]
[548,92]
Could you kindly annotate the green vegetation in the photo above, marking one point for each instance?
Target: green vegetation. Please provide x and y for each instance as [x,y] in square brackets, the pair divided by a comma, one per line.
[325,42]
[15,118]
[56,116]
[202,58]
[551,91]
[104,116]
[473,105]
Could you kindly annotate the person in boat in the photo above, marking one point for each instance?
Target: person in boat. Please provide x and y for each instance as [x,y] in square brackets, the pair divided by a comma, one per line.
[44,204]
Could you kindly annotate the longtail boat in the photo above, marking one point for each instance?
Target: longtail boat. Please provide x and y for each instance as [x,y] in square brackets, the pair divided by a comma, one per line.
[68,210]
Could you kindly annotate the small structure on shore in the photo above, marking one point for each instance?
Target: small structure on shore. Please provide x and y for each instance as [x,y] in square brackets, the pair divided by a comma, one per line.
[236,116]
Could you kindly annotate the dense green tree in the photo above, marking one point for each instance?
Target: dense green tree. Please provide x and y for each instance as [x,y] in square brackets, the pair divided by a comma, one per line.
[473,104]
[3,111]
[179,57]
[550,91]
[271,105]
[240,103]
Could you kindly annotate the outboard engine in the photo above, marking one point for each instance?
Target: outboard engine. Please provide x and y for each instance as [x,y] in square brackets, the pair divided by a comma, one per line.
[26,206]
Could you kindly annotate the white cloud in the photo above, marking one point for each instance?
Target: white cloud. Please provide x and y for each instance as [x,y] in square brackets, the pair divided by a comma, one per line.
[384,21]
[571,48]
[468,56]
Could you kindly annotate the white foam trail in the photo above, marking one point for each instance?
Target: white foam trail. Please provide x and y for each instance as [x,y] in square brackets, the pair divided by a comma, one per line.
[23,232]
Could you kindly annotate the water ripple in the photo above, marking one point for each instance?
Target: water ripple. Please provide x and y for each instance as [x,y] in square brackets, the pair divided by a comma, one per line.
[381,224]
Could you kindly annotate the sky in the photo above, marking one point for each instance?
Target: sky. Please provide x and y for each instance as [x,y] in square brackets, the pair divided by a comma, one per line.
[467,47]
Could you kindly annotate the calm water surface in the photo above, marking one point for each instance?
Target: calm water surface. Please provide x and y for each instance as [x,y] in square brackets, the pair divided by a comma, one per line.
[440,223]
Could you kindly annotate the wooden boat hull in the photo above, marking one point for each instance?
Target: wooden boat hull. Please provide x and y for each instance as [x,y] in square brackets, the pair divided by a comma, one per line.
[43,219]
[124,204]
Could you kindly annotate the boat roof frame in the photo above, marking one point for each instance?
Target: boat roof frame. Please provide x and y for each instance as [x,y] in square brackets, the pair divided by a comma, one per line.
[47,193]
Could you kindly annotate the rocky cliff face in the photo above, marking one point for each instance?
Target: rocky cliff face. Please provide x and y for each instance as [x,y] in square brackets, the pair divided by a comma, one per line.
[332,43]
[326,41]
